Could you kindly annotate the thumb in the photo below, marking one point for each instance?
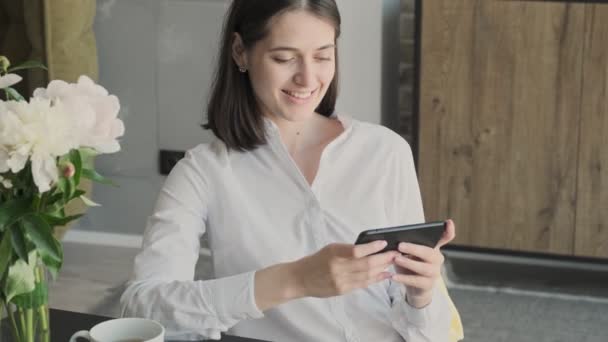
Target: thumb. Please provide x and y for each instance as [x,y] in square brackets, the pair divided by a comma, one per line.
[448,235]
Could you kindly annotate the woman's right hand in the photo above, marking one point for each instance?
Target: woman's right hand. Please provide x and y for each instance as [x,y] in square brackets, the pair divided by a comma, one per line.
[337,269]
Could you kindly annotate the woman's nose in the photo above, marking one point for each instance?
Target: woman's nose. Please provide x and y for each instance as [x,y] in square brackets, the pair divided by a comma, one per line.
[305,74]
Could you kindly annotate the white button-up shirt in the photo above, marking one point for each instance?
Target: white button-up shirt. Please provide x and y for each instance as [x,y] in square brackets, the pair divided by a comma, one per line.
[258,210]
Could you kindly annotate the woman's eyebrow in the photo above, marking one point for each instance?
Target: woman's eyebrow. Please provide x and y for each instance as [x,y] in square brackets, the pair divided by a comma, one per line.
[287,48]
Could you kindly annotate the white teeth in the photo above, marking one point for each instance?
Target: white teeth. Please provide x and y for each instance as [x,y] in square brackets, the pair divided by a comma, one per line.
[299,95]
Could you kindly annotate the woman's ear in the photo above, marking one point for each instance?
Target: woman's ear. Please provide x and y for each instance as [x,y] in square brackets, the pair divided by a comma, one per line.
[238,51]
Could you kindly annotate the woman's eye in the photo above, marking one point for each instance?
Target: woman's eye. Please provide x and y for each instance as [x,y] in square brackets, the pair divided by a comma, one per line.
[325,59]
[282,60]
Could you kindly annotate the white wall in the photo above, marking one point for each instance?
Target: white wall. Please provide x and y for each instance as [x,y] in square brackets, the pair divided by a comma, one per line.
[157,57]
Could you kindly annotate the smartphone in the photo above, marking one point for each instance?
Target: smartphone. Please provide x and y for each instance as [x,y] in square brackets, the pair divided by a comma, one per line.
[427,234]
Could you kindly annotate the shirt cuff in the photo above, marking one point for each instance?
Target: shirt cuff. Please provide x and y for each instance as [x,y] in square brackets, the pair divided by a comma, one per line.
[421,318]
[234,298]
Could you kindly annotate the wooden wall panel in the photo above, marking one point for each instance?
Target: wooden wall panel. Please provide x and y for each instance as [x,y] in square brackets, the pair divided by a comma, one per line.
[500,96]
[592,204]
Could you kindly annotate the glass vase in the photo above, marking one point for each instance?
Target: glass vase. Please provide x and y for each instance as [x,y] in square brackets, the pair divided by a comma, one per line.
[27,314]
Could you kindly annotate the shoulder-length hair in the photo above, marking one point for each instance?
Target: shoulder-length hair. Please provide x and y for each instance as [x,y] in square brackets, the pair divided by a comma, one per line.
[233,113]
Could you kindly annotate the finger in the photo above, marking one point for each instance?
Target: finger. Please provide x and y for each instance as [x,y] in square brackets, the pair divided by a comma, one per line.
[421,252]
[382,276]
[360,251]
[417,267]
[371,276]
[448,235]
[373,261]
[414,281]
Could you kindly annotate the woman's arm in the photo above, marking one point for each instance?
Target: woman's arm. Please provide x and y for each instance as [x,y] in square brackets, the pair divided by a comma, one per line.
[335,270]
[163,287]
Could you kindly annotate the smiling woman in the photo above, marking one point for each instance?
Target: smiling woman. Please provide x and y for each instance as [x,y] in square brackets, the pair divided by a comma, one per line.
[270,60]
[290,80]
[282,192]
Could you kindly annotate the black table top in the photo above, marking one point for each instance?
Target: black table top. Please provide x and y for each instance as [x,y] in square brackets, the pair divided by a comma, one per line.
[65,323]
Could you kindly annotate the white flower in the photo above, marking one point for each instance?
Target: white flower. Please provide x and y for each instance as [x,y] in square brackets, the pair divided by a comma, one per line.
[95,113]
[38,131]
[9,80]
[44,170]
[4,157]
[6,183]
[56,120]
[13,145]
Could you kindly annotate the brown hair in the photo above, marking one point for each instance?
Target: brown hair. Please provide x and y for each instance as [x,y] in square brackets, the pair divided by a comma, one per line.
[233,112]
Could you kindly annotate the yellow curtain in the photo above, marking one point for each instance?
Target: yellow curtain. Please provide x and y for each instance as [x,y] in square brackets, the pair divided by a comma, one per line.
[60,34]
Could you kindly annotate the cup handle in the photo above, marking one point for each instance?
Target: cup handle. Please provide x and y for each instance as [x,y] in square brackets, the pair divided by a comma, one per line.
[81,333]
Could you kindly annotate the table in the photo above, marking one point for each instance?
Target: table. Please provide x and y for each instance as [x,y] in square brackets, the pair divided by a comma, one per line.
[65,323]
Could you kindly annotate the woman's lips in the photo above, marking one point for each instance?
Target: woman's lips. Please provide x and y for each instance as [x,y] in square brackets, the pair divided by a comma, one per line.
[299,97]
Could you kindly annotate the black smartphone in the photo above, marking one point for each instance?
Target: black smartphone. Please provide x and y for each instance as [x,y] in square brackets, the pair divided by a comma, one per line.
[427,234]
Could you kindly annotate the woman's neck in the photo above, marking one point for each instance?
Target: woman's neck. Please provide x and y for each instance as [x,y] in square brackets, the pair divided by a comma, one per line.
[301,135]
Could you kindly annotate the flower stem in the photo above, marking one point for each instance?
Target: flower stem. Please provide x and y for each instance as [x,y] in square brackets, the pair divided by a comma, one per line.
[42,309]
[29,316]
[21,313]
[11,317]
[44,322]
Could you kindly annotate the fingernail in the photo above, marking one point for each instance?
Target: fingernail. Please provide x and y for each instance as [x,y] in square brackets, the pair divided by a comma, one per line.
[382,244]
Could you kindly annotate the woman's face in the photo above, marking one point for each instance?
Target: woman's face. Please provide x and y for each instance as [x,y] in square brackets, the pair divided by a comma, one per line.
[292,67]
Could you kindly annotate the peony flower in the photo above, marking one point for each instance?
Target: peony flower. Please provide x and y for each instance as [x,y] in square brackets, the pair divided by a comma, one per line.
[9,80]
[6,183]
[68,170]
[44,170]
[38,131]
[94,111]
[4,157]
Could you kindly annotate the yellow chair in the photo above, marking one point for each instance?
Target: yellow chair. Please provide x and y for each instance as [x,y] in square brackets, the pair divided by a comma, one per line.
[456,330]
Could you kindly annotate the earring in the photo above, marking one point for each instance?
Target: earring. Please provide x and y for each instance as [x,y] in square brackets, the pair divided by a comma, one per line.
[243,70]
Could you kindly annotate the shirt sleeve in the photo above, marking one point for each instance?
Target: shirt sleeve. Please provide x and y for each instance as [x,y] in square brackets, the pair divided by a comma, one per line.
[428,324]
[431,323]
[162,286]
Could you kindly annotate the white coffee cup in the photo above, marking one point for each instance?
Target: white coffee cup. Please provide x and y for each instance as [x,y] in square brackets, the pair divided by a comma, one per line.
[124,330]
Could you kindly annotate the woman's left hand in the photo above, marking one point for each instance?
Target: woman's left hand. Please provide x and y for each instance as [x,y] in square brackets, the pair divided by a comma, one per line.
[419,267]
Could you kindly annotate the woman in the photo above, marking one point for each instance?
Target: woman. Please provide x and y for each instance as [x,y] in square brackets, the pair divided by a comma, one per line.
[282,193]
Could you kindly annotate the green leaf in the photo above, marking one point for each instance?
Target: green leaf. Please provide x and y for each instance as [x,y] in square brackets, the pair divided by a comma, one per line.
[77,161]
[71,188]
[89,202]
[27,65]
[18,242]
[41,234]
[57,201]
[79,193]
[20,278]
[6,253]
[65,187]
[87,155]
[94,176]
[12,210]
[54,199]
[59,221]
[13,94]
[52,264]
